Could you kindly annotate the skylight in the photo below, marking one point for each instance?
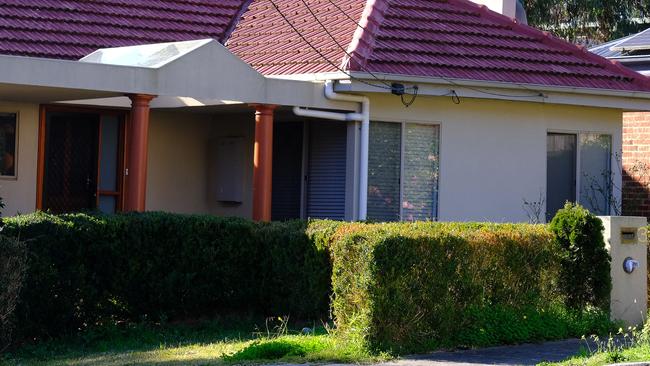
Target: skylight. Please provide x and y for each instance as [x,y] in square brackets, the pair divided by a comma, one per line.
[150,56]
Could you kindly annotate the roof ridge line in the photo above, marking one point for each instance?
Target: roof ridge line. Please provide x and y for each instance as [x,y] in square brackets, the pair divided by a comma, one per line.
[364,37]
[234,21]
[547,37]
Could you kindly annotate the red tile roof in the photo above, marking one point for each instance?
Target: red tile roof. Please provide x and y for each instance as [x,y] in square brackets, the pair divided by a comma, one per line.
[71,29]
[267,42]
[449,39]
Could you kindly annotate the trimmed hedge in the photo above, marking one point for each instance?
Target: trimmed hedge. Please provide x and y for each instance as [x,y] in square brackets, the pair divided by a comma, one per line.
[416,287]
[84,269]
[403,287]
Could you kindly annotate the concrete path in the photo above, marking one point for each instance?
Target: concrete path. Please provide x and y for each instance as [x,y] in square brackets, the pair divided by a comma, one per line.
[528,354]
[524,355]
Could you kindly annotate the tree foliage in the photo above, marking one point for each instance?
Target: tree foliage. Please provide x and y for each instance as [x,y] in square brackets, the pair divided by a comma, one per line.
[589,22]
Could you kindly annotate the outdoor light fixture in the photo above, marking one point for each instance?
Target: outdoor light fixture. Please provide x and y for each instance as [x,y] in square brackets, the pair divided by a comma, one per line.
[630,264]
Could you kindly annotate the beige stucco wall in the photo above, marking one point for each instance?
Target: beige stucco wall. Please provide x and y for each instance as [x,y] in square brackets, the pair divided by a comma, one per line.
[178,178]
[19,194]
[493,153]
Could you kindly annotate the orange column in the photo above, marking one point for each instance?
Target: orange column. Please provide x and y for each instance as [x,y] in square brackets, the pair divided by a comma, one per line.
[136,157]
[263,160]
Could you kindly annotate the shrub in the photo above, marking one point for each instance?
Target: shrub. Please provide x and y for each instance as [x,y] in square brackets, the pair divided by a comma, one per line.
[416,287]
[89,269]
[585,276]
[13,264]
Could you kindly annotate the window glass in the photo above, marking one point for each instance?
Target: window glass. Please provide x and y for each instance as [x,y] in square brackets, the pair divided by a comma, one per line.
[596,173]
[560,171]
[8,144]
[384,171]
[110,135]
[107,204]
[421,165]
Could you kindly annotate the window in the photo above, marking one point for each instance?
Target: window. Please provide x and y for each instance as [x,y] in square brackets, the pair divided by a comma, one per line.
[403,172]
[584,158]
[8,127]
[596,173]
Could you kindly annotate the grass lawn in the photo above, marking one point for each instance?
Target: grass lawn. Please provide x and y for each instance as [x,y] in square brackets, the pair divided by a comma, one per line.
[205,344]
[620,350]
[635,354]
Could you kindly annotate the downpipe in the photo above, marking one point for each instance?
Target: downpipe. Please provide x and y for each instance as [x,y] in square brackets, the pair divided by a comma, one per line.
[364,118]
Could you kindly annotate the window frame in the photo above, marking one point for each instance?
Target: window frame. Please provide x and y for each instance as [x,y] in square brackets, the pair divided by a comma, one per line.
[403,122]
[578,158]
[13,177]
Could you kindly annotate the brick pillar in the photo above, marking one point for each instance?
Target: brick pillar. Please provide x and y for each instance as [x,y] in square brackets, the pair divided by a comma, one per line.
[636,164]
[263,162]
[137,149]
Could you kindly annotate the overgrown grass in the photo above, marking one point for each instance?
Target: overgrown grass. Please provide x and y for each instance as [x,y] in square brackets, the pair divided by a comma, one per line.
[624,347]
[206,343]
[585,358]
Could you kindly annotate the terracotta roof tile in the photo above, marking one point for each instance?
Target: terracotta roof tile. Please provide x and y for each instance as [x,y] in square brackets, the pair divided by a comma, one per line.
[449,39]
[263,30]
[70,29]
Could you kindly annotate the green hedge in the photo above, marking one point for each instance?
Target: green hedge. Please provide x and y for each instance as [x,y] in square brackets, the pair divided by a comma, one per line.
[585,277]
[84,270]
[403,287]
[416,287]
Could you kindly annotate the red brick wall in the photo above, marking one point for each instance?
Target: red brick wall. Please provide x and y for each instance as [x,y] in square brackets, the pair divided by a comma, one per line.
[636,164]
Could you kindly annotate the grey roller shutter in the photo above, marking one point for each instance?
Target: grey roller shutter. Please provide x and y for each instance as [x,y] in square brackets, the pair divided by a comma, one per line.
[327,170]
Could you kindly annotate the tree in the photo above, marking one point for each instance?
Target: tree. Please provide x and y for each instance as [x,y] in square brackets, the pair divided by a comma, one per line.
[589,22]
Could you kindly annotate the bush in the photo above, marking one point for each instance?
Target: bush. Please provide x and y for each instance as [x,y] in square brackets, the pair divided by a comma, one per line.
[585,277]
[13,264]
[416,287]
[86,269]
[404,287]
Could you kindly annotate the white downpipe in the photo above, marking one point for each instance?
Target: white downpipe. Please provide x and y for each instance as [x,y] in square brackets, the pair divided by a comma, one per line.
[364,117]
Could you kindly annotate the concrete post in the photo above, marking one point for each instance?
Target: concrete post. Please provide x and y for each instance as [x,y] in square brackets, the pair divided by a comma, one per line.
[626,240]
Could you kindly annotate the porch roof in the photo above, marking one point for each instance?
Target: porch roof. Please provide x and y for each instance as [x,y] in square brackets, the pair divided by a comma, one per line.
[206,73]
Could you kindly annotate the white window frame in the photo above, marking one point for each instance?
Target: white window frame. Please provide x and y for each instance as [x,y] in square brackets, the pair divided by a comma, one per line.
[16,145]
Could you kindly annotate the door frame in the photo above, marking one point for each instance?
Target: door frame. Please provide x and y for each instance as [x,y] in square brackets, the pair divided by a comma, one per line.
[44,109]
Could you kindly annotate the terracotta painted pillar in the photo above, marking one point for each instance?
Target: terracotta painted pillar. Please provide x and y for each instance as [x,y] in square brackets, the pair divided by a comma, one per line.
[263,162]
[136,155]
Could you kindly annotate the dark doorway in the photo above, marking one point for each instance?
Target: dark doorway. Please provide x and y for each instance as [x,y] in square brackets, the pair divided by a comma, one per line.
[71,154]
[287,171]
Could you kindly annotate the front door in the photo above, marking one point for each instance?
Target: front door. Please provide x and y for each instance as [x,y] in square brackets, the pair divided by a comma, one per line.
[81,161]
[70,178]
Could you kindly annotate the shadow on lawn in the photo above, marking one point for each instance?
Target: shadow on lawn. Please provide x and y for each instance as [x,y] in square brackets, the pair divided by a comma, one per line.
[146,337]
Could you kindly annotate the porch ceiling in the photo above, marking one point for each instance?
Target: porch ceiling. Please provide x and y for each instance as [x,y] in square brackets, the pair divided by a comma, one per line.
[40,94]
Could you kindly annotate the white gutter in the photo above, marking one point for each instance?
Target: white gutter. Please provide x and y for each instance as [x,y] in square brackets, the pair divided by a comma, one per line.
[364,118]
[422,81]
